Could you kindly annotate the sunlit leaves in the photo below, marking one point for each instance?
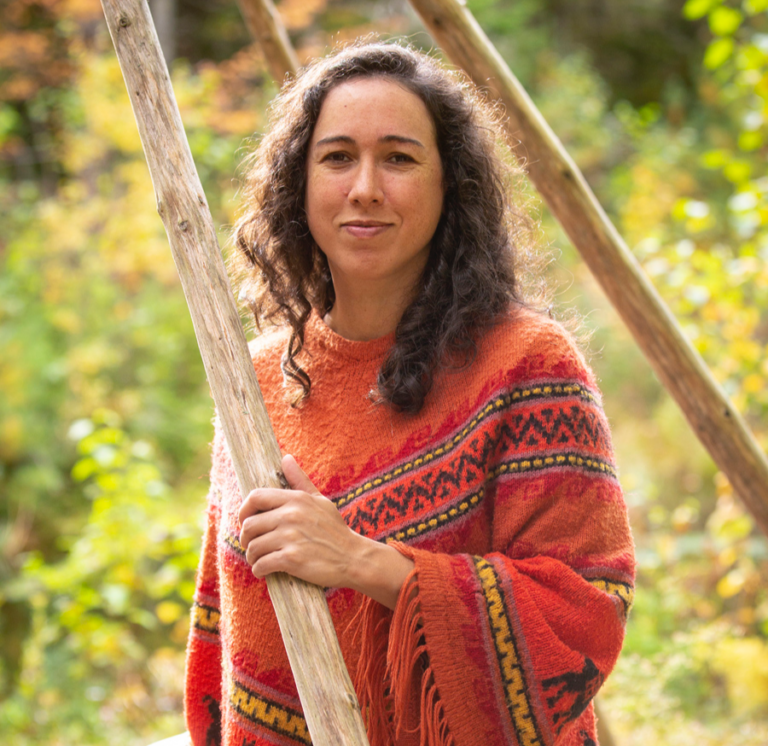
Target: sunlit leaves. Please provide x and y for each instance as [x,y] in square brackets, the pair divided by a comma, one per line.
[718,52]
[750,140]
[717,285]
[724,20]
[697,217]
[744,666]
[694,9]
[128,573]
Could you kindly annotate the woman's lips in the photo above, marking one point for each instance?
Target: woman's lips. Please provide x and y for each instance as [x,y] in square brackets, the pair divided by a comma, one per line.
[365,228]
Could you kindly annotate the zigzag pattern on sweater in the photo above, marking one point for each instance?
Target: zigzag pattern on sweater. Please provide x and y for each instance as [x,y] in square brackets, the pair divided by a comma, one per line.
[263,712]
[445,482]
[506,479]
[498,403]
[552,390]
[413,490]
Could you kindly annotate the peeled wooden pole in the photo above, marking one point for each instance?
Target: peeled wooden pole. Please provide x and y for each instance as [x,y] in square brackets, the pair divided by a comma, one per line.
[715,421]
[266,27]
[327,696]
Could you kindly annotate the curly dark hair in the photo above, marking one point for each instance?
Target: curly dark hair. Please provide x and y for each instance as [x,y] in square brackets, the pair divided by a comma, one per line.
[469,280]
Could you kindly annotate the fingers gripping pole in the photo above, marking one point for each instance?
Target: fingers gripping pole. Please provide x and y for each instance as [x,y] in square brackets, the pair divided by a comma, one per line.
[327,696]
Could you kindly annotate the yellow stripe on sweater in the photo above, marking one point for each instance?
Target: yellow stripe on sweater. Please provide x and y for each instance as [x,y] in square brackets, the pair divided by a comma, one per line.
[268,714]
[500,402]
[205,618]
[622,591]
[512,675]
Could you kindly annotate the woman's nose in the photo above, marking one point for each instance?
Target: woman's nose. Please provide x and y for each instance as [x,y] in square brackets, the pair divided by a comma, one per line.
[366,187]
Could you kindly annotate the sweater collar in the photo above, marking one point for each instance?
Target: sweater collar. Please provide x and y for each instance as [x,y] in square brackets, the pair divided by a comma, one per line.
[321,338]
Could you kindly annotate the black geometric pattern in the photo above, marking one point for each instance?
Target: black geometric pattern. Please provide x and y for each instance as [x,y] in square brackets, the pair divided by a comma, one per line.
[446,481]
[573,691]
[549,427]
[513,678]
[262,711]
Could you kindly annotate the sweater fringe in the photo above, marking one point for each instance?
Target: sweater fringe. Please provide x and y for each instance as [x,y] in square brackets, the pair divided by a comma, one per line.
[372,623]
[394,663]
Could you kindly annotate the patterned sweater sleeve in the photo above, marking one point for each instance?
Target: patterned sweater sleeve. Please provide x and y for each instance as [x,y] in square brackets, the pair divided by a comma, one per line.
[203,669]
[510,646]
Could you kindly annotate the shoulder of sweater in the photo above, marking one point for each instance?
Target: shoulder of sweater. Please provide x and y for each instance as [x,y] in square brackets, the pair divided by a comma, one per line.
[526,329]
[532,341]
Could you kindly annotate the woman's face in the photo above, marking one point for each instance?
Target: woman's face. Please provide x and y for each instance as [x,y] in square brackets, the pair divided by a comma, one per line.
[374,185]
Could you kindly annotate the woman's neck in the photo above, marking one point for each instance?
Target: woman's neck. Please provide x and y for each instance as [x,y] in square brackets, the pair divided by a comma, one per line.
[362,318]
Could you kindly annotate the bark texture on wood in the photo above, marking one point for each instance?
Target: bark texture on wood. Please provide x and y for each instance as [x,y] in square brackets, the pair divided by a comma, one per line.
[267,29]
[715,421]
[327,696]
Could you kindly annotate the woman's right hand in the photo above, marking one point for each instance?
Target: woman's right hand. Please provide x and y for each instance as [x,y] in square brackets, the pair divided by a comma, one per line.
[299,531]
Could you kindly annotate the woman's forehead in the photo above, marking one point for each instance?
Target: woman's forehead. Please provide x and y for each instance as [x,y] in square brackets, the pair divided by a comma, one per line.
[373,107]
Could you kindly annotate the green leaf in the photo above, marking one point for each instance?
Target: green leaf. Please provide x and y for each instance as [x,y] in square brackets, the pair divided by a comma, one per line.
[9,121]
[718,52]
[749,141]
[714,159]
[737,171]
[694,9]
[724,21]
[83,469]
[753,7]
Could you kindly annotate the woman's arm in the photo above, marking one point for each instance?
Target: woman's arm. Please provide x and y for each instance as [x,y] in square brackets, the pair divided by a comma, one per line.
[299,531]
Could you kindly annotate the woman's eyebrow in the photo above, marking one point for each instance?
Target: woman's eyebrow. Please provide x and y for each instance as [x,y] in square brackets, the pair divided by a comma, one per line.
[350,141]
[400,138]
[337,138]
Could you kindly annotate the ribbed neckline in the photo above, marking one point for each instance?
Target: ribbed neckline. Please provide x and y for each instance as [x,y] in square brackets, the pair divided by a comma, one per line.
[318,335]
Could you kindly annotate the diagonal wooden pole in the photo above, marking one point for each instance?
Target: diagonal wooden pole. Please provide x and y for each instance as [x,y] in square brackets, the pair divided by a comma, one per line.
[718,425]
[327,696]
[266,27]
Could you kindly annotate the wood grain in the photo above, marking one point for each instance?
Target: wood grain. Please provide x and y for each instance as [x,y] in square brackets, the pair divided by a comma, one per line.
[327,696]
[718,425]
[266,27]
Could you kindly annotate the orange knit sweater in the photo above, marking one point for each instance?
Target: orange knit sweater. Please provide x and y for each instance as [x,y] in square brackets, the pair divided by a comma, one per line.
[503,491]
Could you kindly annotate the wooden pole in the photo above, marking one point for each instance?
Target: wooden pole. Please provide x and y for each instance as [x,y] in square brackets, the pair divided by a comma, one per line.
[327,696]
[715,421]
[266,27]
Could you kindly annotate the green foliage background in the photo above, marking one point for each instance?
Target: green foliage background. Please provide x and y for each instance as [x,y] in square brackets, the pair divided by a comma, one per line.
[105,413]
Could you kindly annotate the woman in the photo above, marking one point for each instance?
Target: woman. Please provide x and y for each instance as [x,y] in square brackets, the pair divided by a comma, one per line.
[451,477]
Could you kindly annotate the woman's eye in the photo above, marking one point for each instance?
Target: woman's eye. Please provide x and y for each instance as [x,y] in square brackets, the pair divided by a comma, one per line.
[335,158]
[401,158]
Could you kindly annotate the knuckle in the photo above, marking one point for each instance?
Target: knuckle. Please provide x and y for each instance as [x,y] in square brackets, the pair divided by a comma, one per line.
[294,512]
[252,496]
[291,555]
